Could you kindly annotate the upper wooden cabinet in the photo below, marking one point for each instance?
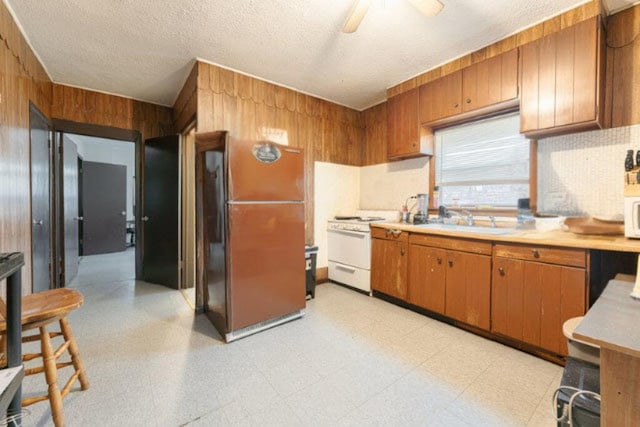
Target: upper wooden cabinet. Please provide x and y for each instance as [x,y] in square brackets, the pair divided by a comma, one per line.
[441,98]
[562,82]
[491,81]
[487,83]
[403,128]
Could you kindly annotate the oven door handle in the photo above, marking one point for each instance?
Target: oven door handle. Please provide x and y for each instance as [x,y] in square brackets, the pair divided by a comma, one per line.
[361,234]
[345,267]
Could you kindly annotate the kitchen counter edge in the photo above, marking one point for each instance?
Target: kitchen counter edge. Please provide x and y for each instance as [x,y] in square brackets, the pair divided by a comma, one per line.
[548,238]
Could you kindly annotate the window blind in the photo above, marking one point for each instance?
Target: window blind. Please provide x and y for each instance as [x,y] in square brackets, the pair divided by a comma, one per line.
[483,163]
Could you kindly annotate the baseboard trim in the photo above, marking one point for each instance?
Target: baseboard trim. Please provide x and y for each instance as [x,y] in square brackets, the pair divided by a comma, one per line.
[322,275]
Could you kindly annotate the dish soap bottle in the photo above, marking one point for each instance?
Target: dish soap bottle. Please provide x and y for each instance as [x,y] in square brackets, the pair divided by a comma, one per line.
[525,218]
[436,197]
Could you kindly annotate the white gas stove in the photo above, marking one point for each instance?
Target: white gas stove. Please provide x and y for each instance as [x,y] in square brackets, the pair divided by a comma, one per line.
[349,251]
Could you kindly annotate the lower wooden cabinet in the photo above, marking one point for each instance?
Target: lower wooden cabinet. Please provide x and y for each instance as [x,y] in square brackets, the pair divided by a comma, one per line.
[427,277]
[532,300]
[452,277]
[514,290]
[468,288]
[389,254]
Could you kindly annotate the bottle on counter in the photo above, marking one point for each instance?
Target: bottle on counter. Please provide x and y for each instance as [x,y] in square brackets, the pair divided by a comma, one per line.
[525,218]
[628,161]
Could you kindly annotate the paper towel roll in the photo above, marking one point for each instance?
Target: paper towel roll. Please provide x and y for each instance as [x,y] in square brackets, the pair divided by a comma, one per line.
[635,293]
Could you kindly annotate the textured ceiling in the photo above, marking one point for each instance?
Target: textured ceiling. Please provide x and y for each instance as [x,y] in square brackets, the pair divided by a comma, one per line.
[144,49]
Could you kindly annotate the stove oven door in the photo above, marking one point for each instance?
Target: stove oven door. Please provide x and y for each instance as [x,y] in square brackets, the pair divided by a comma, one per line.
[352,248]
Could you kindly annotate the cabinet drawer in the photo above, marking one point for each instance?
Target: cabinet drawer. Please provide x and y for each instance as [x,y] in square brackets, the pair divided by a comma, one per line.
[389,234]
[550,255]
[457,244]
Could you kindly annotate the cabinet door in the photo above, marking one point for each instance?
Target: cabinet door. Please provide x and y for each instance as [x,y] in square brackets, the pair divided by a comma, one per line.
[402,124]
[426,281]
[491,81]
[448,95]
[468,288]
[507,297]
[441,98]
[389,267]
[552,295]
[562,81]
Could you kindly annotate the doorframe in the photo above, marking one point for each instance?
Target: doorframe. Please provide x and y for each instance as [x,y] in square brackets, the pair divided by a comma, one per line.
[134,136]
[53,264]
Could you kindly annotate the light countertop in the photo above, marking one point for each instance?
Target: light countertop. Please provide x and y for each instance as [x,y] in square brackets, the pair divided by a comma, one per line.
[550,238]
[612,322]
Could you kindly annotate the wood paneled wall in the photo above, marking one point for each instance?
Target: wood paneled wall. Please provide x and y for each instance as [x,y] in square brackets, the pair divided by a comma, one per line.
[96,108]
[567,19]
[623,68]
[375,128]
[22,79]
[254,109]
[186,106]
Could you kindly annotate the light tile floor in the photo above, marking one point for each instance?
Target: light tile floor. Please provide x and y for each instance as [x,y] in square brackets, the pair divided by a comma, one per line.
[351,360]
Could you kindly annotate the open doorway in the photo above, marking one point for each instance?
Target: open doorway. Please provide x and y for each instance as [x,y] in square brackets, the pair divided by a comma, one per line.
[99,204]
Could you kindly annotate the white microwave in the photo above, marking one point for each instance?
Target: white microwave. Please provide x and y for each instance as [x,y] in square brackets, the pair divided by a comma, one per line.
[632,217]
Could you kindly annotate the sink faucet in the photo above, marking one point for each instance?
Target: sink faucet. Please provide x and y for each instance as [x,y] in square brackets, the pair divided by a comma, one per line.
[464,214]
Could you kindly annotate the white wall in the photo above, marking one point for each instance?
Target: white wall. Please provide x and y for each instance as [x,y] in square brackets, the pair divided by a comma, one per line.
[110,151]
[582,174]
[336,192]
[387,186]
[370,190]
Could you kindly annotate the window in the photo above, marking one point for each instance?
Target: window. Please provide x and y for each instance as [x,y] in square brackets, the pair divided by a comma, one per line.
[483,164]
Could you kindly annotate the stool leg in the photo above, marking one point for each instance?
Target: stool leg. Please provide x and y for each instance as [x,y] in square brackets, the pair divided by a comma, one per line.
[51,374]
[67,333]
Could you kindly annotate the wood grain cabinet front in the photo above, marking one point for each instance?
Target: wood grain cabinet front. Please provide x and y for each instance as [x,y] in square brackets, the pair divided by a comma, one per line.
[490,82]
[448,281]
[530,301]
[389,254]
[482,88]
[427,268]
[562,81]
[404,138]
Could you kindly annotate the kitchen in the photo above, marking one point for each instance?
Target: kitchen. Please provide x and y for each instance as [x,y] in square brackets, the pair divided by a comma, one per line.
[352,154]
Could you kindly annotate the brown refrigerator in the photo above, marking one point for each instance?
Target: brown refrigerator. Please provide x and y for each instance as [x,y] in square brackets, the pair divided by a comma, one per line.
[250,233]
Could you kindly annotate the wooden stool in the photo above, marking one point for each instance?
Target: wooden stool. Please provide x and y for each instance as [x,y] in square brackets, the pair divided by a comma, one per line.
[38,311]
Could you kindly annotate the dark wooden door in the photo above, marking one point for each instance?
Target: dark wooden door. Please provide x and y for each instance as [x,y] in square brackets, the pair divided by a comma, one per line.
[41,250]
[426,281]
[70,202]
[161,201]
[104,196]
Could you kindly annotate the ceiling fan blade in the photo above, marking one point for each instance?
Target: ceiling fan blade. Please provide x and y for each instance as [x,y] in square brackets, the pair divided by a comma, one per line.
[358,11]
[428,8]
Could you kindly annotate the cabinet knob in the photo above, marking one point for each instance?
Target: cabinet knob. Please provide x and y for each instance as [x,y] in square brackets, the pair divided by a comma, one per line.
[501,271]
[439,260]
[535,253]
[402,251]
[468,100]
[455,105]
[450,263]
[413,145]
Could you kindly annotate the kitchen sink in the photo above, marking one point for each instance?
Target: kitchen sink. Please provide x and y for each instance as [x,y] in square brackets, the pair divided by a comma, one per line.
[494,231]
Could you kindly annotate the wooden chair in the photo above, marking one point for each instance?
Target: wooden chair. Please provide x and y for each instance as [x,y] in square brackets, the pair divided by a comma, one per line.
[39,311]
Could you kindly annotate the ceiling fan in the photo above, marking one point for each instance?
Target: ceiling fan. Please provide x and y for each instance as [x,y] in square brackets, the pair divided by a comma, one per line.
[428,8]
